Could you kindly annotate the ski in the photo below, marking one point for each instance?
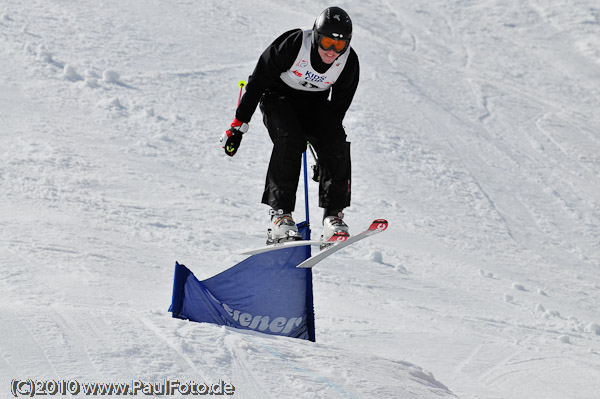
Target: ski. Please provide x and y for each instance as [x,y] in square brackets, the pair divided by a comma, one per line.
[377,226]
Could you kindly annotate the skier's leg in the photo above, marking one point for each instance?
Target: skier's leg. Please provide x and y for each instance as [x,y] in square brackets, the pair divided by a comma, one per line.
[329,139]
[335,177]
[289,142]
[334,166]
[334,187]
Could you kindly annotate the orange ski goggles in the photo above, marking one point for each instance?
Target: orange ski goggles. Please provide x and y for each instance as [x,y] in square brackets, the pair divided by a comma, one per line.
[327,43]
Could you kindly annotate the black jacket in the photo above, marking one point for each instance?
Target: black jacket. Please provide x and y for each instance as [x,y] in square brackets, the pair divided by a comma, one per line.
[278,58]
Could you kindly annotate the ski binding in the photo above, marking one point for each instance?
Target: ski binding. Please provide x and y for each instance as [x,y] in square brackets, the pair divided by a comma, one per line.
[291,236]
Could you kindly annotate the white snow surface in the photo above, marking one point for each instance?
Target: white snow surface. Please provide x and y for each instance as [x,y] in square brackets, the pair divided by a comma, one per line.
[475,131]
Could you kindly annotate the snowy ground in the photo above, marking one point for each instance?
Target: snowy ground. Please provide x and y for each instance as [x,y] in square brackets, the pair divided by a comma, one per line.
[475,132]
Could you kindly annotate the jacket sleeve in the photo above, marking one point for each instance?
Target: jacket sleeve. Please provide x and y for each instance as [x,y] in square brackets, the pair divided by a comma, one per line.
[277,58]
[342,92]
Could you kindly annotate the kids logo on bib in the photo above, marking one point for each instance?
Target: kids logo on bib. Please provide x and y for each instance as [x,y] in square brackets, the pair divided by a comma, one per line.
[313,77]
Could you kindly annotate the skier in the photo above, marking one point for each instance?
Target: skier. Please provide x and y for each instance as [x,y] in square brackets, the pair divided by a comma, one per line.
[305,82]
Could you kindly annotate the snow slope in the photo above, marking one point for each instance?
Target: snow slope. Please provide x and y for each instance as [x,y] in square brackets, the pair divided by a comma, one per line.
[475,132]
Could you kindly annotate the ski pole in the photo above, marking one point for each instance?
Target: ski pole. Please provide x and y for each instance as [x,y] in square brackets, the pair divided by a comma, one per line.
[315,167]
[241,84]
[312,151]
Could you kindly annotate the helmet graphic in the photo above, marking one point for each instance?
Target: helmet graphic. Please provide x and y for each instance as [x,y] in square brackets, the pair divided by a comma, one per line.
[333,29]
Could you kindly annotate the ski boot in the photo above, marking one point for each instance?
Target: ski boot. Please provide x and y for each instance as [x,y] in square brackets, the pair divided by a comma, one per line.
[334,229]
[283,228]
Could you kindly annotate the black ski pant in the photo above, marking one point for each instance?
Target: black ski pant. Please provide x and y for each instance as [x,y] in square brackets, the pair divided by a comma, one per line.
[291,122]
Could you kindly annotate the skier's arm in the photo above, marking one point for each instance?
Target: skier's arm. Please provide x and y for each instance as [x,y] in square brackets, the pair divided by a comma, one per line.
[342,92]
[277,58]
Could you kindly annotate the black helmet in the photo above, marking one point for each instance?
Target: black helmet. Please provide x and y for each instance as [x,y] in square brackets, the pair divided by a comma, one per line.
[334,23]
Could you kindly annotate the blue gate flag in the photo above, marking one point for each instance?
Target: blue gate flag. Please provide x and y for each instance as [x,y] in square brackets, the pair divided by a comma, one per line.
[265,293]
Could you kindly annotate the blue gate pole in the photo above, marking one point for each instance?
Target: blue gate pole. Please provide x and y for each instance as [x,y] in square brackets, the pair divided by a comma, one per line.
[309,285]
[306,189]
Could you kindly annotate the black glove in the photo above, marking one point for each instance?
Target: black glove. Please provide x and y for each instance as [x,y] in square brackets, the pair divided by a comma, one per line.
[231,139]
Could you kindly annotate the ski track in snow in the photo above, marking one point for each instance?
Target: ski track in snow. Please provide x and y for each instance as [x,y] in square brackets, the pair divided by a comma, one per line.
[475,133]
